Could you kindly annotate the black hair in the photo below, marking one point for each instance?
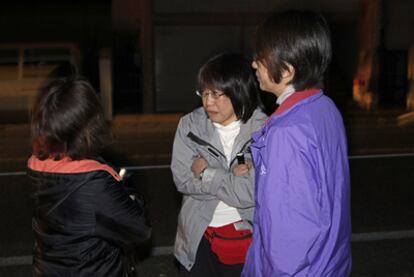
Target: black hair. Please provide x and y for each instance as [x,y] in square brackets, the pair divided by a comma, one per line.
[68,120]
[297,38]
[233,75]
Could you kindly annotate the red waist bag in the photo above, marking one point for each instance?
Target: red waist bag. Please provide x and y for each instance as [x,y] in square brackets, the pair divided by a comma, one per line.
[230,245]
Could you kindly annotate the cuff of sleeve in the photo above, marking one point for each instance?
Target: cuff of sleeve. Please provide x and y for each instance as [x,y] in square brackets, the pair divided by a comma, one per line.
[212,180]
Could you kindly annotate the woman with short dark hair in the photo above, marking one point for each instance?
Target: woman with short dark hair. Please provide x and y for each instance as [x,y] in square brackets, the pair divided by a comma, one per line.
[67,120]
[211,166]
[83,218]
[231,74]
[302,221]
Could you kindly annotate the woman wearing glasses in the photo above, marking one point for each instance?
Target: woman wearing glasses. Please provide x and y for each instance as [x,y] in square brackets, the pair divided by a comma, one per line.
[211,166]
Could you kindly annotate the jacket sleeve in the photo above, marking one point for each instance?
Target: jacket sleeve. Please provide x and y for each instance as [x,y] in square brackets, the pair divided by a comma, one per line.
[118,217]
[289,203]
[235,191]
[182,159]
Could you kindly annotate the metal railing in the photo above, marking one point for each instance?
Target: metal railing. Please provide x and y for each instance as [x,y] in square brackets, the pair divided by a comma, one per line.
[166,166]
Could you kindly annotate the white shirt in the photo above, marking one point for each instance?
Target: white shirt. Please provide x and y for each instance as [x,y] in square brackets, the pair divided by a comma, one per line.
[288,91]
[224,214]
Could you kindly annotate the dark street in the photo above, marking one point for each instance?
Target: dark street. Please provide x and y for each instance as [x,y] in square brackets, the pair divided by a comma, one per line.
[382,192]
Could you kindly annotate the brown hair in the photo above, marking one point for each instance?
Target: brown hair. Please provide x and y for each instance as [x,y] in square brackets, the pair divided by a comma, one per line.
[68,120]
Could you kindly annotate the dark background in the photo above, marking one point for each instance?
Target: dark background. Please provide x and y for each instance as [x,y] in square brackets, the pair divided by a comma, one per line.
[155,49]
[158,46]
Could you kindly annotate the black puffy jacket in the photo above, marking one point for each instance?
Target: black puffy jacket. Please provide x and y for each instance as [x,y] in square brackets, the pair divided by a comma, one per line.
[83,219]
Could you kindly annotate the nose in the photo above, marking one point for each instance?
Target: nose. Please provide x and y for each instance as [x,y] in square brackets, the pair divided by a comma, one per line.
[208,100]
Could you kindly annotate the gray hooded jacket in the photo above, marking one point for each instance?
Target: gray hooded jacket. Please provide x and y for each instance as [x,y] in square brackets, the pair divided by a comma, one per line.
[196,137]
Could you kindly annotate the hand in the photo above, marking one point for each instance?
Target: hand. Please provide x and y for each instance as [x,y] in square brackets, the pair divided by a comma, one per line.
[198,166]
[242,169]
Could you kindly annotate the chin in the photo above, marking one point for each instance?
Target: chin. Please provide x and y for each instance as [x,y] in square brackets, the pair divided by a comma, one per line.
[217,121]
[263,87]
[214,119]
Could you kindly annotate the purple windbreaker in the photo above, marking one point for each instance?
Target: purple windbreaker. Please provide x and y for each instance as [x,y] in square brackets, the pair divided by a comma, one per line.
[302,223]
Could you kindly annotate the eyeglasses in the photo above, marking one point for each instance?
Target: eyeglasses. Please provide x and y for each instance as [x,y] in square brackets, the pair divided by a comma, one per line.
[213,93]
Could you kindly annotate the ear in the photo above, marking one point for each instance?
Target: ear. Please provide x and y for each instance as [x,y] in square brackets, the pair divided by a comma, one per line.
[289,74]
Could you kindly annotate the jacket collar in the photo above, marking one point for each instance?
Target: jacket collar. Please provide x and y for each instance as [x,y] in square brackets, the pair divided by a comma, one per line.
[207,131]
[66,165]
[295,98]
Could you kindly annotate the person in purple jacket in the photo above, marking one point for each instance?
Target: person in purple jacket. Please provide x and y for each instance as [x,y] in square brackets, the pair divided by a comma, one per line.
[302,223]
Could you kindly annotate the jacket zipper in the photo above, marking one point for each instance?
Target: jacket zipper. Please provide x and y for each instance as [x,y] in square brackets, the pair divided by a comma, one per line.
[215,235]
[213,150]
[241,151]
[210,149]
